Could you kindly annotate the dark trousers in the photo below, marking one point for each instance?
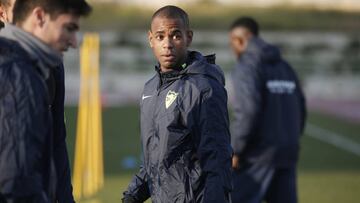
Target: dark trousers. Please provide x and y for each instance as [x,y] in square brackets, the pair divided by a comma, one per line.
[255,183]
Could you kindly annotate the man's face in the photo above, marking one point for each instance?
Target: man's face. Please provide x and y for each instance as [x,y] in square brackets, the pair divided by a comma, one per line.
[60,33]
[6,12]
[169,39]
[239,38]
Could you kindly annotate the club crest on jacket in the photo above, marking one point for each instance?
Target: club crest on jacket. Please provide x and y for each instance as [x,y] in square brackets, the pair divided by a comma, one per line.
[170,98]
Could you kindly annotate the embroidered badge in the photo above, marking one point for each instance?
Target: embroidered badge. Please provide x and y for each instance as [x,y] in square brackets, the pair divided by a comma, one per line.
[170,98]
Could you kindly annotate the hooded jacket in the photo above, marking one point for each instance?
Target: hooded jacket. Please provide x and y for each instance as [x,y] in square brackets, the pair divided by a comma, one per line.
[25,123]
[185,136]
[269,107]
[47,65]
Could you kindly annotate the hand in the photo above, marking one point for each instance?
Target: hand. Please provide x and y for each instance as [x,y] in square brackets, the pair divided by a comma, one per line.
[235,162]
[129,199]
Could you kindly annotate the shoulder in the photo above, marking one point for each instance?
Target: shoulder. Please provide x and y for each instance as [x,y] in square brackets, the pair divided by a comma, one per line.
[11,48]
[151,86]
[12,53]
[15,64]
[152,82]
[249,60]
[249,66]
[203,85]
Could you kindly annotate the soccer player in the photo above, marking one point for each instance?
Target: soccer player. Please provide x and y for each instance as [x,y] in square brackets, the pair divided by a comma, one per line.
[34,162]
[269,118]
[184,121]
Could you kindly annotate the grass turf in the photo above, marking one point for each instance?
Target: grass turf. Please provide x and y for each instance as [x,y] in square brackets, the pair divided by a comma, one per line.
[326,174]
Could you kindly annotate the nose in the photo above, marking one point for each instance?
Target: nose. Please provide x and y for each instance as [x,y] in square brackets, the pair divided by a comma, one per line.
[73,41]
[168,43]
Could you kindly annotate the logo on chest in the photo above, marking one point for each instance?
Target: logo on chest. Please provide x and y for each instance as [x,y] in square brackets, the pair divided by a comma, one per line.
[170,98]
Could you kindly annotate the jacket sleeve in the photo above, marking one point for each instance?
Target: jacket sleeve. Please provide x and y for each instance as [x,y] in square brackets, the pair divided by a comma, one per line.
[246,82]
[303,111]
[61,159]
[302,103]
[138,187]
[213,144]
[25,129]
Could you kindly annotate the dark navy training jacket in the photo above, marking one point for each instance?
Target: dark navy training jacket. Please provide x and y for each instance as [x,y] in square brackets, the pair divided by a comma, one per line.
[43,58]
[185,136]
[269,107]
[26,164]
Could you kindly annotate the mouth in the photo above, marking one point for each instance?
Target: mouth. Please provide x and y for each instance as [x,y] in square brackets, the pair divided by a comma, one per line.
[62,50]
[168,57]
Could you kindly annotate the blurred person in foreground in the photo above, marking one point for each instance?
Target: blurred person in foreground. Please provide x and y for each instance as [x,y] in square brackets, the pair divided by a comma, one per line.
[34,162]
[269,117]
[184,121]
[6,11]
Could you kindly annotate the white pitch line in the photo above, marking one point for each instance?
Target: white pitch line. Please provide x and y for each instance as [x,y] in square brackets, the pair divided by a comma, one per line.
[333,138]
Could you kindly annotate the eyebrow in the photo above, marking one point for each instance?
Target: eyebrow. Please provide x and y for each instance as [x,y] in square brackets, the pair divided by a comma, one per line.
[159,32]
[175,30]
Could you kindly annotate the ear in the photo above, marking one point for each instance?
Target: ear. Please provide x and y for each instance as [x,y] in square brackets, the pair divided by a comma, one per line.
[3,15]
[239,43]
[150,38]
[39,16]
[189,35]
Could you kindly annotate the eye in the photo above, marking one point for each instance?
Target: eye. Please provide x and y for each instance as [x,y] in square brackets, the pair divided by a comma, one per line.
[177,36]
[71,28]
[159,37]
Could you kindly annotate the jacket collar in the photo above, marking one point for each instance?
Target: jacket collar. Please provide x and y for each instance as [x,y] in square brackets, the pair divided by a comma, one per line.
[36,49]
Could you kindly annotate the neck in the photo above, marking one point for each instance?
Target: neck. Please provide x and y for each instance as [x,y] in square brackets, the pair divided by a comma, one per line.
[164,70]
[26,26]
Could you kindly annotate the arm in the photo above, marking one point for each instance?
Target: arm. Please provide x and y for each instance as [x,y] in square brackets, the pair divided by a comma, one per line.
[302,107]
[24,133]
[302,100]
[247,91]
[137,191]
[61,159]
[214,149]
[304,112]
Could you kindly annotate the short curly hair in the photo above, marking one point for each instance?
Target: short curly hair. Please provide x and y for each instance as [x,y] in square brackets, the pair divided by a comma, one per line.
[248,23]
[172,12]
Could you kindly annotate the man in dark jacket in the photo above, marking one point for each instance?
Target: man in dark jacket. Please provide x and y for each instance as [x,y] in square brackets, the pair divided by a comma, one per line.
[184,121]
[33,157]
[269,118]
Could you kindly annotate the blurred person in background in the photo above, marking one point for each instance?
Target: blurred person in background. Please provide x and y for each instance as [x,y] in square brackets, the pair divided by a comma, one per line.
[269,117]
[34,162]
[184,121]
[6,11]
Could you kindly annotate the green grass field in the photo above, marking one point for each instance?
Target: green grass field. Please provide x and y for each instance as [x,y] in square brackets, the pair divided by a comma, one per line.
[326,173]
